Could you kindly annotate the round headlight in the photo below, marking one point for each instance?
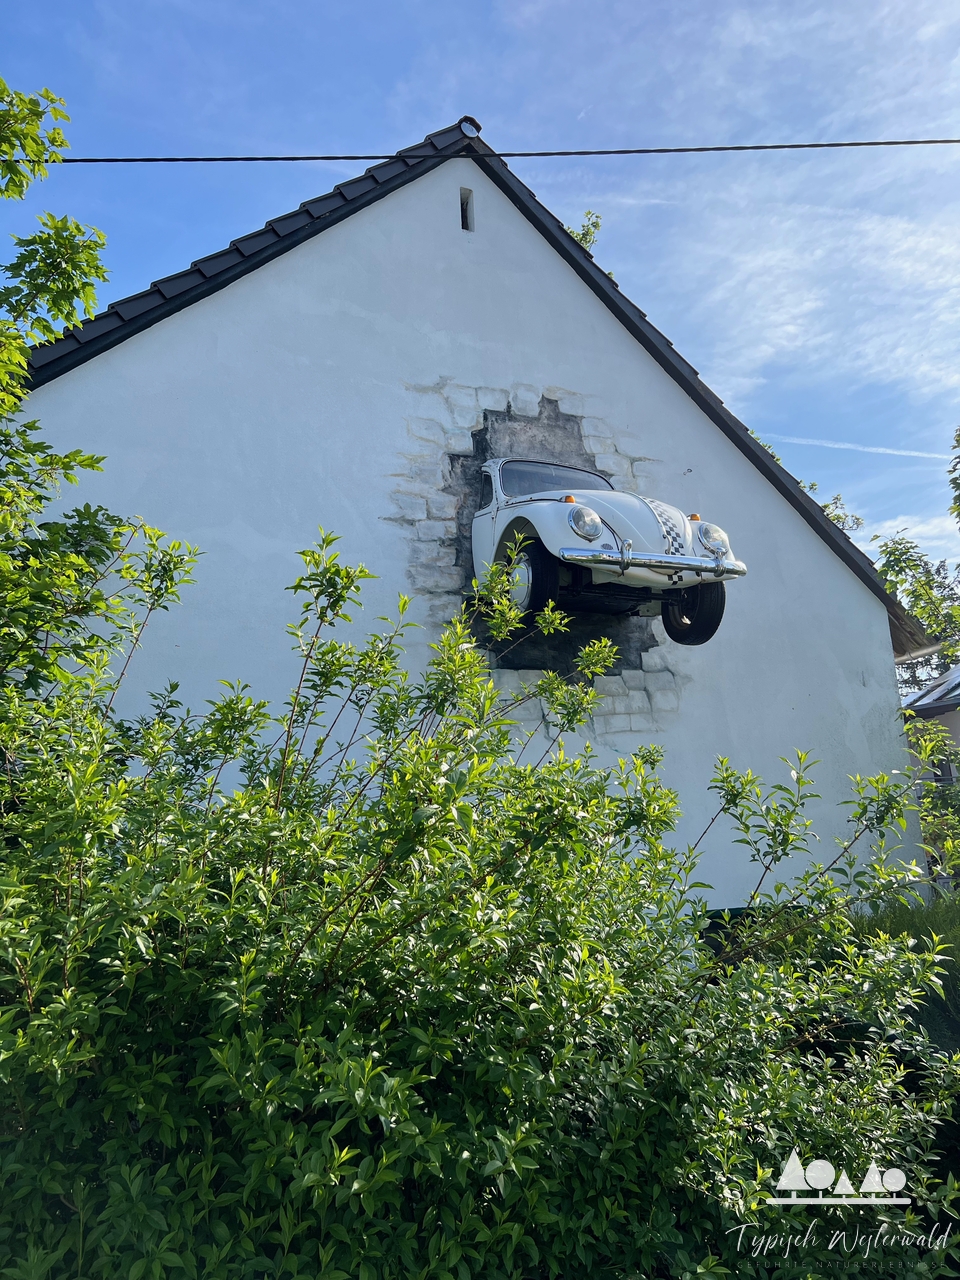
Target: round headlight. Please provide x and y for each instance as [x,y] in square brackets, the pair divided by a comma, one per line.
[585,522]
[714,539]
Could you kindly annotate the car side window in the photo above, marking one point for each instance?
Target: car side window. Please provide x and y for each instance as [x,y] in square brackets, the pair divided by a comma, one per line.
[486,490]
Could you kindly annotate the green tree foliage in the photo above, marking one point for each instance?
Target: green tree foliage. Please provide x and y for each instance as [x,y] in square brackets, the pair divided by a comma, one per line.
[52,279]
[938,798]
[65,583]
[835,509]
[587,235]
[940,919]
[30,137]
[930,590]
[953,476]
[590,229]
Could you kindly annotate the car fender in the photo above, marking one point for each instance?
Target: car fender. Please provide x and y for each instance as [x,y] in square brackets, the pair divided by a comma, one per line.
[543,519]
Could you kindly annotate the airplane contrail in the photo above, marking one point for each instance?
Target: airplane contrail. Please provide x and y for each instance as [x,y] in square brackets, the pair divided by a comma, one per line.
[859,448]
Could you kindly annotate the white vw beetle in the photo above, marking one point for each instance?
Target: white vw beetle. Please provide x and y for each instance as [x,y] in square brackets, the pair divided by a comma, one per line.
[594,549]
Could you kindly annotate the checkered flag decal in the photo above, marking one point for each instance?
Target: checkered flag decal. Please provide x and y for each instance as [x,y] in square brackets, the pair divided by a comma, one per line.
[673,536]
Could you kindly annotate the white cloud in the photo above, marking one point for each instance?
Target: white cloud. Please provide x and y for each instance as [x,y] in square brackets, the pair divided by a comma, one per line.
[856,448]
[798,267]
[816,291]
[939,536]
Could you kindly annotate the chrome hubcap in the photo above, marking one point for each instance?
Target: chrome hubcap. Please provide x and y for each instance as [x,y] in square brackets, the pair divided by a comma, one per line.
[522,586]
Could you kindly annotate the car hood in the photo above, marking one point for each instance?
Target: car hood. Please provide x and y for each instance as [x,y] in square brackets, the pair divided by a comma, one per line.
[643,520]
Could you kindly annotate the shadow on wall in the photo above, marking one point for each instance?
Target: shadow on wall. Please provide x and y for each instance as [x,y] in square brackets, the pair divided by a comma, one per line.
[551,436]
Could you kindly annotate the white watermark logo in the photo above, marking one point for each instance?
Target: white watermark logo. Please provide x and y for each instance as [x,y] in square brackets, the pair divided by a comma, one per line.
[820,1176]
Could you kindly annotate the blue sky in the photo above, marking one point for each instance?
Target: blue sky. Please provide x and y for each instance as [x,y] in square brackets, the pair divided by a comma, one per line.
[818,294]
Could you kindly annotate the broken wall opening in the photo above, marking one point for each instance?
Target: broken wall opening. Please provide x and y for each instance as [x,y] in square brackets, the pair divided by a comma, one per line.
[551,436]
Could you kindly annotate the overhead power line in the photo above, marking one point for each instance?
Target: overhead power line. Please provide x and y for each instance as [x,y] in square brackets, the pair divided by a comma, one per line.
[511,155]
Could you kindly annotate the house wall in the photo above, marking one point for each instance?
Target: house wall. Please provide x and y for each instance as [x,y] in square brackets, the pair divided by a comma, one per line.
[339,384]
[951,721]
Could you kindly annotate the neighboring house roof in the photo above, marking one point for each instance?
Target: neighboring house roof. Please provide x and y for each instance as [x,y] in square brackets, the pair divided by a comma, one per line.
[207,275]
[942,694]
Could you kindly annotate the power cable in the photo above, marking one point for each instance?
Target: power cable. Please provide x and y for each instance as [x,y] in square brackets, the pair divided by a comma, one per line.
[511,155]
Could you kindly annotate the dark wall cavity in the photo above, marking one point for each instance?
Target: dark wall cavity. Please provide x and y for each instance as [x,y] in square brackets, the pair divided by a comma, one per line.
[536,652]
[551,436]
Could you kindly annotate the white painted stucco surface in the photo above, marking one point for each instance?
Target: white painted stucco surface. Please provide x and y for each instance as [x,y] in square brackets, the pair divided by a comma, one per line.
[951,721]
[285,401]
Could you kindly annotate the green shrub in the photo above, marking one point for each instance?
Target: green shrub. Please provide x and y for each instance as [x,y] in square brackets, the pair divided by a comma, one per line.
[922,921]
[398,1003]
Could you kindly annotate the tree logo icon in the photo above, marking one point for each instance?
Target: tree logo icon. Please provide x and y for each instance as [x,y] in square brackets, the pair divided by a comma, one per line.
[820,1176]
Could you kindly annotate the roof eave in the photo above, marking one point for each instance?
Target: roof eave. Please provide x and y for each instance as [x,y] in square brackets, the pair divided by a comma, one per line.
[933,709]
[88,350]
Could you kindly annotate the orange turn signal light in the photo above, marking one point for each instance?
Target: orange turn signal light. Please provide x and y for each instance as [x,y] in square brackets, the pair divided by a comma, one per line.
[693,516]
[569,498]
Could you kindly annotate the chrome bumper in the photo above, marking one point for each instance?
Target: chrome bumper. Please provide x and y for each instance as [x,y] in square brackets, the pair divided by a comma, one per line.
[656,563]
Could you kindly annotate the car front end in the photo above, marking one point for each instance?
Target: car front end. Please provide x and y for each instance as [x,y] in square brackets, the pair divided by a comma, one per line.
[691,550]
[607,551]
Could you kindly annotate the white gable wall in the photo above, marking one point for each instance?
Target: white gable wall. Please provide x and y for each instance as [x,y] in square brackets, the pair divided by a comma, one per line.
[324,386]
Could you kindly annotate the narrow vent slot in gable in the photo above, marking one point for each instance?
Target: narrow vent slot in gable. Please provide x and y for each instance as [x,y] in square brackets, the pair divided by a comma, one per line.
[466,209]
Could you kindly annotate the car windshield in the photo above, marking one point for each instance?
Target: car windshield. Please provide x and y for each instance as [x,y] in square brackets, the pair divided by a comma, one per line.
[517,479]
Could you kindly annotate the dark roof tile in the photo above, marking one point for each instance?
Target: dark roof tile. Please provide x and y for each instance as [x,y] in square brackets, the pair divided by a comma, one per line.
[389,169]
[53,350]
[254,242]
[325,204]
[291,221]
[97,326]
[445,137]
[214,263]
[420,150]
[130,308]
[357,186]
[170,286]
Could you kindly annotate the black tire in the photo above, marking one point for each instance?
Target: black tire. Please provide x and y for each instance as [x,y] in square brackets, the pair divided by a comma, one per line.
[693,614]
[539,573]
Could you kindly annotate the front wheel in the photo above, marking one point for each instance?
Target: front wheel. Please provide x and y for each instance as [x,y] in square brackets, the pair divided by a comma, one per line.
[693,614]
[536,578]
